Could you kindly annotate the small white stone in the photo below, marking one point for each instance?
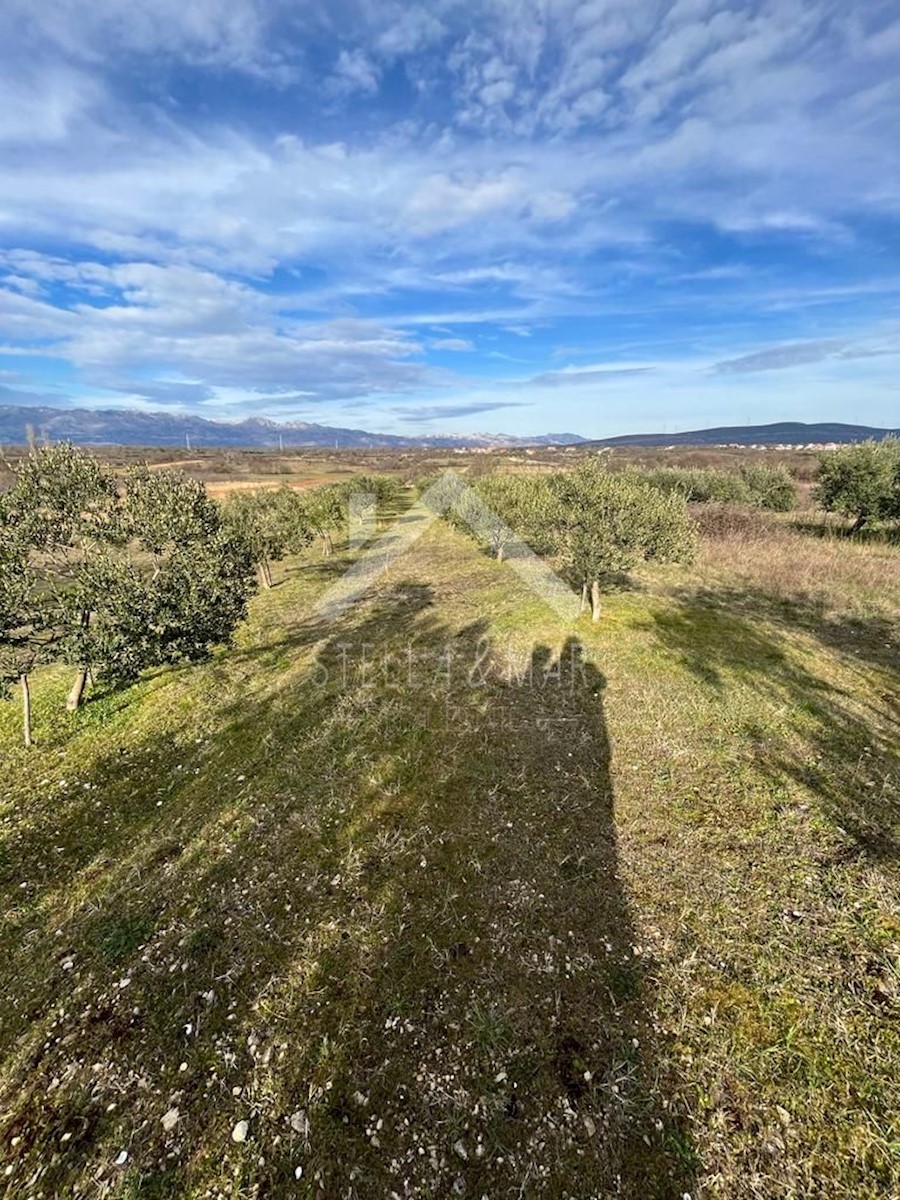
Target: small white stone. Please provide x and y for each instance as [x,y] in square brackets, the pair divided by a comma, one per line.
[461,1150]
[122,1158]
[240,1131]
[300,1123]
[170,1119]
[298,1172]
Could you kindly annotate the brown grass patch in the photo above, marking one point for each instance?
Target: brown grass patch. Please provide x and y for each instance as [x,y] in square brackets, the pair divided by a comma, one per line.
[835,571]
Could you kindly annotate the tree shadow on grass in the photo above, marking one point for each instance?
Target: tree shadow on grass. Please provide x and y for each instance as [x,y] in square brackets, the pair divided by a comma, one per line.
[872,535]
[843,748]
[380,918]
[873,638]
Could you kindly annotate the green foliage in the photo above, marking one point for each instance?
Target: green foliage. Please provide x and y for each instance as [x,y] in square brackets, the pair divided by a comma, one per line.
[758,485]
[62,509]
[61,497]
[861,481]
[364,495]
[113,576]
[596,522]
[610,521]
[271,522]
[326,511]
[166,509]
[200,598]
[701,485]
[385,488]
[516,506]
[770,486]
[20,649]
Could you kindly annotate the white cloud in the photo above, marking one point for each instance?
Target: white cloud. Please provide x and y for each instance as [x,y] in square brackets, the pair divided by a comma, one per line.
[441,203]
[222,33]
[355,72]
[44,105]
[135,316]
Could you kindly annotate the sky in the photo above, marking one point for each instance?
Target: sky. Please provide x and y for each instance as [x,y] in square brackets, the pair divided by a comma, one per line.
[529,216]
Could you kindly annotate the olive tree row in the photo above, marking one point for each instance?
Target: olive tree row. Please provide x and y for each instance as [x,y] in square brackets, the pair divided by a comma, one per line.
[504,508]
[275,522]
[112,575]
[591,522]
[363,496]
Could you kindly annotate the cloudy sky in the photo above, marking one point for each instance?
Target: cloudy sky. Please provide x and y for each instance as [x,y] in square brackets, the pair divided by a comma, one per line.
[595,216]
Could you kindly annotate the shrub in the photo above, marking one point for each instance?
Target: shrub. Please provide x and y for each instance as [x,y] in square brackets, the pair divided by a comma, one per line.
[770,487]
[721,521]
[701,485]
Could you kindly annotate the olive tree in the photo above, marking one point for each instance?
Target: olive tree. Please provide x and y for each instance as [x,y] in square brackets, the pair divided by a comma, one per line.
[701,485]
[113,575]
[271,522]
[607,522]
[512,507]
[62,509]
[326,512]
[861,481]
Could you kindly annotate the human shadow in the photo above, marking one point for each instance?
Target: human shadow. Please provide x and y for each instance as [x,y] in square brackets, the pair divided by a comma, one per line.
[380,917]
[846,748]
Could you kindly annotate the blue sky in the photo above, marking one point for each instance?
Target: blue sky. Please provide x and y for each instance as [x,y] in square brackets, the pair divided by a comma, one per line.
[597,216]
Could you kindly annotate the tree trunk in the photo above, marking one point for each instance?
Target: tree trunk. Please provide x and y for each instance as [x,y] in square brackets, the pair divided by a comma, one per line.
[77,693]
[500,553]
[265,574]
[26,708]
[859,522]
[327,544]
[595,600]
[584,597]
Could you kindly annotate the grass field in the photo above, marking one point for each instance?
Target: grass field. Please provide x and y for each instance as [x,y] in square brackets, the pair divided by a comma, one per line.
[449,899]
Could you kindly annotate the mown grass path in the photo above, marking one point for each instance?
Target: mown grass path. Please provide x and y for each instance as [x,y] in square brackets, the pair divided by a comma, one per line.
[446,899]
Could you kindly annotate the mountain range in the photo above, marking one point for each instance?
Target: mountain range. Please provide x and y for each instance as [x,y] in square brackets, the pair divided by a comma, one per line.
[124,427]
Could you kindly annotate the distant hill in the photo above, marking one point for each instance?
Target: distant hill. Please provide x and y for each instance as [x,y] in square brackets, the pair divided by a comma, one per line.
[123,427]
[786,433]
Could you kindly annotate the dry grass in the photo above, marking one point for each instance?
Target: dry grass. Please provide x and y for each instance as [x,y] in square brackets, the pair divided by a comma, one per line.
[816,563]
